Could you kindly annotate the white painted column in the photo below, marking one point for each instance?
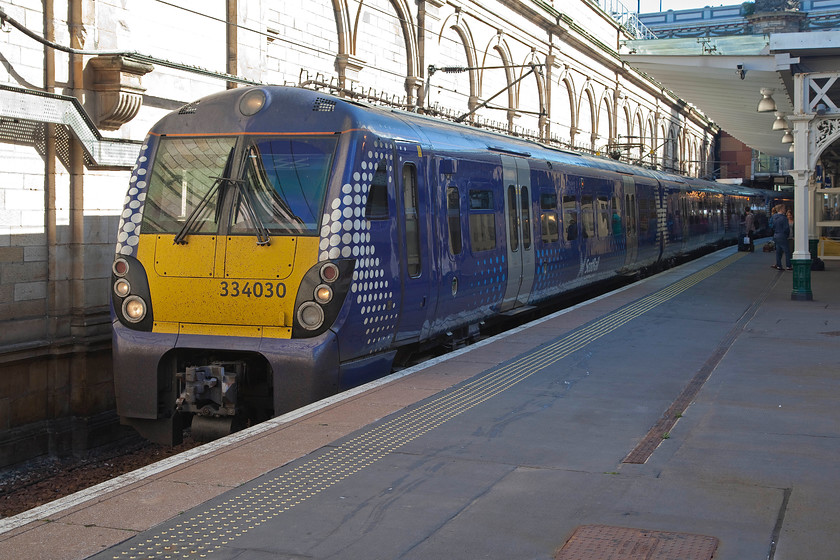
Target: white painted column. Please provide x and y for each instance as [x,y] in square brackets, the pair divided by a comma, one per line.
[802,196]
[802,170]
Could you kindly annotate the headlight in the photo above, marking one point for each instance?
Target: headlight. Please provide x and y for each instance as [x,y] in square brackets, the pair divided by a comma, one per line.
[323,294]
[122,288]
[310,315]
[252,102]
[134,309]
[320,297]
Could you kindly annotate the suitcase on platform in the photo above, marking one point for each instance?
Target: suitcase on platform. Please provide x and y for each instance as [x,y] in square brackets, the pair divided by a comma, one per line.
[745,243]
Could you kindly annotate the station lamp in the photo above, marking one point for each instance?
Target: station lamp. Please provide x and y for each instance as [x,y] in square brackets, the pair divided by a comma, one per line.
[767,104]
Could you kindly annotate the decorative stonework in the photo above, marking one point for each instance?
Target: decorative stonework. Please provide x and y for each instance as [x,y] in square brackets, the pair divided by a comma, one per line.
[776,6]
[776,16]
[119,92]
[348,68]
[784,22]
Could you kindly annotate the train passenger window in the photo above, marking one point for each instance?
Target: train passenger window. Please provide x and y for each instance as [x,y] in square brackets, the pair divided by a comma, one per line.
[617,227]
[513,226]
[548,201]
[377,202]
[482,220]
[603,216]
[570,215]
[525,201]
[481,200]
[412,223]
[453,214]
[587,215]
[549,226]
[647,217]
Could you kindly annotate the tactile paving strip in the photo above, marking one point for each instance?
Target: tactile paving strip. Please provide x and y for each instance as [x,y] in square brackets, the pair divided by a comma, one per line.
[603,542]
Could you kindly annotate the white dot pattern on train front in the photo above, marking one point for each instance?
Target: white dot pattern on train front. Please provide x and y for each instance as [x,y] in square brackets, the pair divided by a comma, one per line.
[345,234]
[128,235]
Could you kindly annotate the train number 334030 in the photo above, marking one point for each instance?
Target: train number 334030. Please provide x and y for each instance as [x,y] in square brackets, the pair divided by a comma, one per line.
[252,289]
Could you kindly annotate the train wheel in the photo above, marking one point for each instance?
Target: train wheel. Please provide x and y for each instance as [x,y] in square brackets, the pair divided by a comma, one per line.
[208,428]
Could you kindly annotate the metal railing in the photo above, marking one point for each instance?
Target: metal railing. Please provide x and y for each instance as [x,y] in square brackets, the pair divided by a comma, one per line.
[627,18]
[20,106]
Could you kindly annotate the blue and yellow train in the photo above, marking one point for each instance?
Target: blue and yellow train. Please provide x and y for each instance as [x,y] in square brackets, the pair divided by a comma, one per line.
[278,245]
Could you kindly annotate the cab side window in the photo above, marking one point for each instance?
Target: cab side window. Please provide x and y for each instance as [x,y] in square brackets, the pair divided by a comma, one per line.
[377,201]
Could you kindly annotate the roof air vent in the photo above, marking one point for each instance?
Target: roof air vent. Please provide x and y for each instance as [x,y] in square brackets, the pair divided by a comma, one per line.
[323,105]
[189,108]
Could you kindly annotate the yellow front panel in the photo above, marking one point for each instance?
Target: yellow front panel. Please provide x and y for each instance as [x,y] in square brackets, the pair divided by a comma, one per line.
[196,259]
[258,301]
[245,259]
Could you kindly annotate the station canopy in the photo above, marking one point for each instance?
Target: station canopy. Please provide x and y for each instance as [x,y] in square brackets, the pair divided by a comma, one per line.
[723,76]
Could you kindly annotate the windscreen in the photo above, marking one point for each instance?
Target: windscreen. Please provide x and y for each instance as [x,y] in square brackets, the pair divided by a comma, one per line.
[183,181]
[280,191]
[285,180]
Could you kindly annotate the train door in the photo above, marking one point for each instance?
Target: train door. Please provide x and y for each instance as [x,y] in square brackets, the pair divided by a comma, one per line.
[630,226]
[415,262]
[518,221]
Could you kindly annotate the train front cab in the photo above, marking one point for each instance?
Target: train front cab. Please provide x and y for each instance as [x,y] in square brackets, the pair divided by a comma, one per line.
[225,281]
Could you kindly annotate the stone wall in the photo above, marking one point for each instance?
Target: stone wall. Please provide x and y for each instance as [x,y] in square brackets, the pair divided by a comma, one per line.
[554,66]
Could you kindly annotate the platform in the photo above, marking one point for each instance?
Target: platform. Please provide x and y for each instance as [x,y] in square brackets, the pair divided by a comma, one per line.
[693,414]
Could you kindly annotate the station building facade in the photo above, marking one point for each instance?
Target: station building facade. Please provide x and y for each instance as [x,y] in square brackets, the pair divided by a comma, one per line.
[81,82]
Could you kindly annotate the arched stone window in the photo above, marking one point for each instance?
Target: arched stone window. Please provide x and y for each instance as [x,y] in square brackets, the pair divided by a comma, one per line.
[604,123]
[530,98]
[639,133]
[493,80]
[585,120]
[562,110]
[454,91]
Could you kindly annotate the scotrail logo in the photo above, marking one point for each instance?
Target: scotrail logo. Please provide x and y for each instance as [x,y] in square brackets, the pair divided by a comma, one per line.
[588,266]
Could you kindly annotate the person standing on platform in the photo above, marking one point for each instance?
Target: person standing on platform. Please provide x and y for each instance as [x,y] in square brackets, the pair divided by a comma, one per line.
[781,232]
[749,223]
[790,235]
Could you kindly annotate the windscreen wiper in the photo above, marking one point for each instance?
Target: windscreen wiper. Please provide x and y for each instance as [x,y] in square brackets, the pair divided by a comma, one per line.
[193,217]
[263,237]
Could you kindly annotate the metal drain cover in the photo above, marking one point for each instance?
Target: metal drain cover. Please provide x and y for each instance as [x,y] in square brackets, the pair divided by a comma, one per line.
[602,542]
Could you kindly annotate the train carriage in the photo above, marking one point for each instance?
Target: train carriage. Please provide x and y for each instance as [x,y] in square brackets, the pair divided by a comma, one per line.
[279,244]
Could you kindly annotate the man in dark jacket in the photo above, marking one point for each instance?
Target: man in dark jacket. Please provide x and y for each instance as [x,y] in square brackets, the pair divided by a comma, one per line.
[781,231]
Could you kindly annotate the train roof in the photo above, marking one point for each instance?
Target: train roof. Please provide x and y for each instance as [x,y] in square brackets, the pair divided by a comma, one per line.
[294,109]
